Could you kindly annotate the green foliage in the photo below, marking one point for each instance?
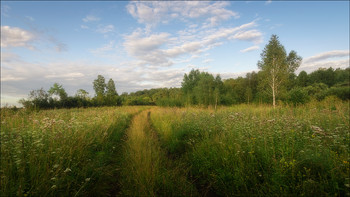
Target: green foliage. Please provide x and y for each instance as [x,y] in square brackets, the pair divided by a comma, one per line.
[83,94]
[58,90]
[341,92]
[326,76]
[99,86]
[317,90]
[302,79]
[276,66]
[203,89]
[111,91]
[298,96]
[61,152]
[232,151]
[248,150]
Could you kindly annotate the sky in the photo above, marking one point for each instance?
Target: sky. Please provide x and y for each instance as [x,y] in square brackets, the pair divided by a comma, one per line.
[152,44]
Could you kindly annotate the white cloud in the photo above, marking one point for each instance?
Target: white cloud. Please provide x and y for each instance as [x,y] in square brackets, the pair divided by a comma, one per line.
[334,59]
[152,13]
[344,63]
[105,29]
[251,35]
[253,48]
[84,27]
[135,44]
[18,77]
[161,49]
[37,39]
[327,55]
[207,61]
[147,48]
[16,37]
[91,18]
[105,48]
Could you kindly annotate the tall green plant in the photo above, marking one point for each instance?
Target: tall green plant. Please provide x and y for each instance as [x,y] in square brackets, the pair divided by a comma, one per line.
[276,65]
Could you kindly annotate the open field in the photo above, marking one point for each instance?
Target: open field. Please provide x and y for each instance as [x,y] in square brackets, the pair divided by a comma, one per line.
[154,151]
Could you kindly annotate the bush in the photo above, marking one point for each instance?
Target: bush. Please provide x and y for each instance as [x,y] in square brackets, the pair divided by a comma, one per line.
[340,92]
[298,96]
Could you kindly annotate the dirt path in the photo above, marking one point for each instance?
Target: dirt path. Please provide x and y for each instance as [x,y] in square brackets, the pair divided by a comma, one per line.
[146,171]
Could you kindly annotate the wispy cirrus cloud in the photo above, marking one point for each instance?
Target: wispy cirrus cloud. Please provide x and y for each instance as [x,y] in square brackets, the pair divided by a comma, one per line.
[327,55]
[91,18]
[334,59]
[251,35]
[207,61]
[163,49]
[152,13]
[110,46]
[84,26]
[103,29]
[253,48]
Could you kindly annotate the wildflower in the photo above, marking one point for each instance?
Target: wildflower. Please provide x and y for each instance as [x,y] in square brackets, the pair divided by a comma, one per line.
[54,187]
[87,179]
[53,178]
[318,130]
[345,162]
[67,170]
[56,166]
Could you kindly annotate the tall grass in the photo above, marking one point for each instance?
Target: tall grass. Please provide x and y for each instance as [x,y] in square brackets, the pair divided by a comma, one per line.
[141,151]
[258,150]
[60,152]
[147,171]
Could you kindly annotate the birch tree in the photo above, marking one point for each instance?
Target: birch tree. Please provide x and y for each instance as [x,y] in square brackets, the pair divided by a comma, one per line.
[276,66]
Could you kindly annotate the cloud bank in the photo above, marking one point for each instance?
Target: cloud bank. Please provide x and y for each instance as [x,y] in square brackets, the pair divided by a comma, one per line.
[16,37]
[334,59]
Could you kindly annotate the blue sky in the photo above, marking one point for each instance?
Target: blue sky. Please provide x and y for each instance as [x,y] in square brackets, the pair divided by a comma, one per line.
[142,45]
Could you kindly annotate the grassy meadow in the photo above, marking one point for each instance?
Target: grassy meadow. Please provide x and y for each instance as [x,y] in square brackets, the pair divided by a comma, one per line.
[154,151]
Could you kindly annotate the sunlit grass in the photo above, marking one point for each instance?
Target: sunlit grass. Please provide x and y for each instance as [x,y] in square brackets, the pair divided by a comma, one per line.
[58,152]
[148,172]
[154,151]
[259,150]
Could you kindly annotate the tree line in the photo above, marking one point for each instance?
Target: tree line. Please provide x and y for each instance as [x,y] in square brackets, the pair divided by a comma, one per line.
[275,82]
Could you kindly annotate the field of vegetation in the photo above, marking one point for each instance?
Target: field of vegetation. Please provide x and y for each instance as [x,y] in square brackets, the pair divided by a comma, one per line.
[156,151]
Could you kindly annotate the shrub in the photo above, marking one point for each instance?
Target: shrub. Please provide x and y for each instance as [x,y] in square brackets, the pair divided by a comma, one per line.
[341,92]
[298,96]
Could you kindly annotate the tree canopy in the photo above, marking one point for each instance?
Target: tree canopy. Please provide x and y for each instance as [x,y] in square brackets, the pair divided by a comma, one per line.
[276,66]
